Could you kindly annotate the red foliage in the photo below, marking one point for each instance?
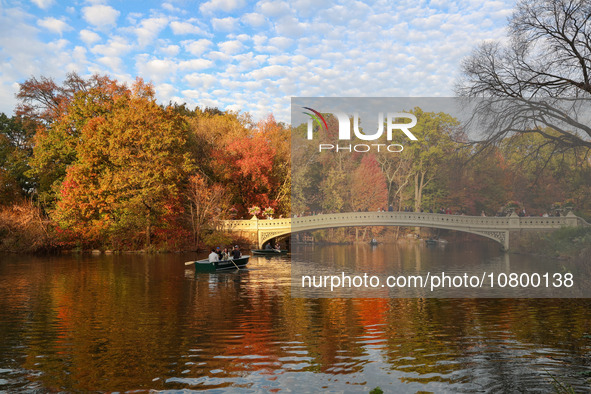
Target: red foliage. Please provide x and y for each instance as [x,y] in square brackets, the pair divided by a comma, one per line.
[369,190]
[246,165]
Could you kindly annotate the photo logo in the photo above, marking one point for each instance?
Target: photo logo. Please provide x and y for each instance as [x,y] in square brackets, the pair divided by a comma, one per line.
[391,122]
[345,125]
[317,117]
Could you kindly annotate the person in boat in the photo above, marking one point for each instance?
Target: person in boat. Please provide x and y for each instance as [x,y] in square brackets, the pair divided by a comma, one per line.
[236,254]
[268,246]
[225,254]
[218,250]
[213,256]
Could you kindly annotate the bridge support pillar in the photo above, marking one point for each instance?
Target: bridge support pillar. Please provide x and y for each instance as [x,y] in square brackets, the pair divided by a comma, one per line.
[571,219]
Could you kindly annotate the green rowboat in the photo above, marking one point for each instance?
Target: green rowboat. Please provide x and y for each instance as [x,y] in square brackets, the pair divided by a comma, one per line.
[207,266]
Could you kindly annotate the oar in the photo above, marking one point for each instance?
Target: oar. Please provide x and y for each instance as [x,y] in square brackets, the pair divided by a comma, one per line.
[189,262]
[232,260]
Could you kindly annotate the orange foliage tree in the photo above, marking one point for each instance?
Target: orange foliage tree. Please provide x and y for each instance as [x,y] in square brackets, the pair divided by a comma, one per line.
[126,160]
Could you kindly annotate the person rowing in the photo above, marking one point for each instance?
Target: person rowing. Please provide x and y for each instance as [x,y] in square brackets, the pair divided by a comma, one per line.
[236,254]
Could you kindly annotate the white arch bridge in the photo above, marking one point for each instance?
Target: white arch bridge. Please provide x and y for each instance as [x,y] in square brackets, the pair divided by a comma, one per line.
[499,229]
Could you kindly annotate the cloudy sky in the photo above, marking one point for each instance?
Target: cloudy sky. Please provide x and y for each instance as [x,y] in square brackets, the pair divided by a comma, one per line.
[248,56]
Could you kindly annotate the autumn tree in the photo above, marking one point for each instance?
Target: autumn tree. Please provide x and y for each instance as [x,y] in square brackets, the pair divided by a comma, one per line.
[398,174]
[207,202]
[16,148]
[278,136]
[473,183]
[551,177]
[43,100]
[251,161]
[306,173]
[368,187]
[429,153]
[56,142]
[127,163]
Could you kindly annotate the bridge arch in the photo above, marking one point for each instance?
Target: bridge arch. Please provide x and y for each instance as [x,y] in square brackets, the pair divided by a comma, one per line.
[301,224]
[495,228]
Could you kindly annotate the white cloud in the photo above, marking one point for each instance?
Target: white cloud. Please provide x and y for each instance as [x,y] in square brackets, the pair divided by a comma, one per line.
[211,103]
[200,80]
[156,70]
[43,4]
[223,5]
[89,37]
[253,19]
[243,63]
[198,47]
[195,64]
[171,8]
[240,37]
[192,93]
[181,28]
[79,54]
[133,17]
[273,8]
[170,50]
[290,26]
[100,15]
[219,56]
[113,62]
[260,53]
[115,47]
[259,39]
[269,72]
[164,91]
[149,30]
[54,25]
[224,24]
[281,43]
[231,47]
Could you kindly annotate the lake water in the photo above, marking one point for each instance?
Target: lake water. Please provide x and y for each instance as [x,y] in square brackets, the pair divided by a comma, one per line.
[147,322]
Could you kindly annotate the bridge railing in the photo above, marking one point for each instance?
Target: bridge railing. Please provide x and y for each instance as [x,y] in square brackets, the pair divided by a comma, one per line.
[421,219]
[410,218]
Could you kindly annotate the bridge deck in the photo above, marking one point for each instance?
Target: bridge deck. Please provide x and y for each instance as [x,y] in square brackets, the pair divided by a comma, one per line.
[496,228]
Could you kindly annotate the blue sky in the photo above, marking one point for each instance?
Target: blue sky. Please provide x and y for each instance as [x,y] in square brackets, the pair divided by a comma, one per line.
[248,56]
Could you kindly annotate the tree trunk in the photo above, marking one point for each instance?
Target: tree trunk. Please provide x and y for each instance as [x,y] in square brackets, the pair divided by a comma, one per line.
[148,231]
[419,186]
[193,224]
[417,202]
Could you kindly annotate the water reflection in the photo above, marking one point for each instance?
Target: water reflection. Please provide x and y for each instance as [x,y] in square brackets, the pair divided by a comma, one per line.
[132,322]
[418,270]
